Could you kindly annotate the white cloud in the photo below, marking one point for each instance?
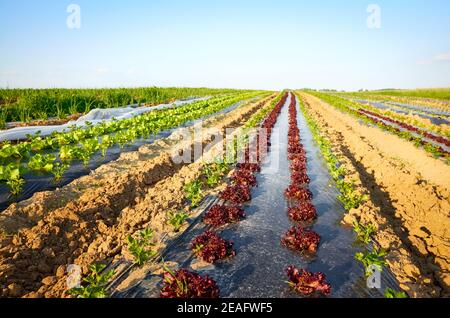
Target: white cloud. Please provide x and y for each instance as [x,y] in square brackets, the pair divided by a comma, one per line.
[424,62]
[9,73]
[102,70]
[442,57]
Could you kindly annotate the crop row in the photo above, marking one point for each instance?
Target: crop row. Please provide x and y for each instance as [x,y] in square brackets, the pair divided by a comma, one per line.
[350,199]
[81,144]
[40,104]
[95,285]
[209,246]
[301,238]
[352,108]
[411,128]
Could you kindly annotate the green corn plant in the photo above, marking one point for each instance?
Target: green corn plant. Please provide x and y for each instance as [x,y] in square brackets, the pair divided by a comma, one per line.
[364,231]
[96,283]
[372,259]
[140,247]
[194,193]
[3,116]
[391,293]
[177,219]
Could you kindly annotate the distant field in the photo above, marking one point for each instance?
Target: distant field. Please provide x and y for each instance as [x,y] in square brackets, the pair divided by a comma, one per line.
[29,104]
[435,93]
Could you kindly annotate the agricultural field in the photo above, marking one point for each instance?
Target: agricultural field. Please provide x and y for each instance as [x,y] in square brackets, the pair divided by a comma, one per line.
[315,191]
[219,157]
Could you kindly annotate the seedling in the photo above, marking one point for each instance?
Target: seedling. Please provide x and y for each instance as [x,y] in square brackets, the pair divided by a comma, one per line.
[371,260]
[364,231]
[391,293]
[194,193]
[177,219]
[96,283]
[59,169]
[213,176]
[141,248]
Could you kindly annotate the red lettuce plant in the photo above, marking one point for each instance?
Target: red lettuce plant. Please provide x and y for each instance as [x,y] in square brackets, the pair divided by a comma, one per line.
[307,283]
[244,177]
[211,247]
[304,212]
[185,284]
[252,167]
[301,240]
[220,215]
[300,178]
[296,192]
[236,194]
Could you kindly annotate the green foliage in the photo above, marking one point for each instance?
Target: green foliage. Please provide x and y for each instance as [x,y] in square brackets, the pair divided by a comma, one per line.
[11,174]
[59,169]
[372,259]
[42,163]
[353,107]
[96,283]
[82,143]
[177,219]
[29,104]
[364,231]
[435,93]
[349,198]
[194,193]
[391,293]
[140,247]
[214,172]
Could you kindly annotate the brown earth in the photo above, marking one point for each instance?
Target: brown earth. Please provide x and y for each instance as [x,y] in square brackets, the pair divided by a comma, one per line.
[409,194]
[89,220]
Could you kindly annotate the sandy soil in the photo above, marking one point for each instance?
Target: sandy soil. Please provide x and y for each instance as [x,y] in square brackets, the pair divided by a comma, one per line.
[409,198]
[89,220]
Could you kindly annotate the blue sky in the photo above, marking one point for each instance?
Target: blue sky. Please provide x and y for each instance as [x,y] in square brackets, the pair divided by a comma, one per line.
[263,44]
